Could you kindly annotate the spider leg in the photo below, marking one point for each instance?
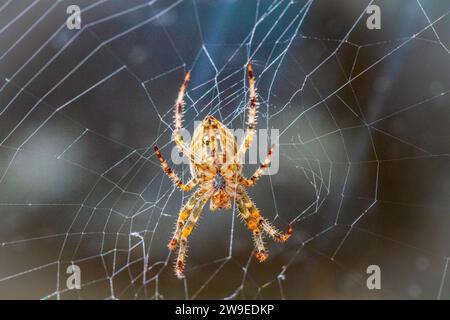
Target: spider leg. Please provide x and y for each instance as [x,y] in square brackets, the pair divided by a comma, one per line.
[250,215]
[256,222]
[172,175]
[274,232]
[184,214]
[179,119]
[261,252]
[255,177]
[252,109]
[184,234]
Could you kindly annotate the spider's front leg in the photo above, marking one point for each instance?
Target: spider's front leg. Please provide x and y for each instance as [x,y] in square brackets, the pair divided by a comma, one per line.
[178,118]
[251,120]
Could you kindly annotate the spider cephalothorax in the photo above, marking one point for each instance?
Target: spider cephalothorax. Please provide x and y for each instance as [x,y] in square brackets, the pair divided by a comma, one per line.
[216,168]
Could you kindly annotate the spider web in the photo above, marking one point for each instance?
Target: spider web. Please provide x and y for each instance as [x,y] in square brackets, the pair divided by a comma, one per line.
[363,117]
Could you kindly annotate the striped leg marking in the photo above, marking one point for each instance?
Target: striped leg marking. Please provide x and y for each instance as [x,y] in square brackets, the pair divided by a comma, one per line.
[178,118]
[258,173]
[258,224]
[252,115]
[172,175]
[184,214]
[185,232]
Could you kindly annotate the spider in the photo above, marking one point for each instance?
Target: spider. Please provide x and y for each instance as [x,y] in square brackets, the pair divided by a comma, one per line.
[216,168]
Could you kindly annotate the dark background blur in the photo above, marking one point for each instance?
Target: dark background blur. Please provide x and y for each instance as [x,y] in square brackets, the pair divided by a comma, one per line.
[364,157]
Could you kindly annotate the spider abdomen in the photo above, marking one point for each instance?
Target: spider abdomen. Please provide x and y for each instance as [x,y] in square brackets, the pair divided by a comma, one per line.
[215,147]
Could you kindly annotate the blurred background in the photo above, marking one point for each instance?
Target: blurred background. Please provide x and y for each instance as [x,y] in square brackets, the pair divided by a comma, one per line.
[364,124]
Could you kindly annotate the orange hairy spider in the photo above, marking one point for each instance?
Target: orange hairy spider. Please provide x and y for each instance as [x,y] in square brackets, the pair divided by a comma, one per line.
[216,167]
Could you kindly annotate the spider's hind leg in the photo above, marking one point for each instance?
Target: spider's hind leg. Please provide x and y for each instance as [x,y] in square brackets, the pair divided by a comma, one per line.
[184,214]
[274,232]
[261,252]
[183,231]
[257,224]
[258,173]
[250,215]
